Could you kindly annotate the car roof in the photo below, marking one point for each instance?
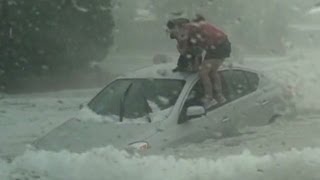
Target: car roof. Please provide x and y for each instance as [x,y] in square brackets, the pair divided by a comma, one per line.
[164,71]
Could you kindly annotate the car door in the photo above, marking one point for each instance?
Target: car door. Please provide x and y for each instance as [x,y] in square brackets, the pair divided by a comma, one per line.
[182,129]
[244,98]
[270,97]
[264,96]
[212,124]
[191,129]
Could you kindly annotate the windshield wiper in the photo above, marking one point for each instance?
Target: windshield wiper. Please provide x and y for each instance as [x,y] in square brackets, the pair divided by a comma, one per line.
[122,102]
[147,107]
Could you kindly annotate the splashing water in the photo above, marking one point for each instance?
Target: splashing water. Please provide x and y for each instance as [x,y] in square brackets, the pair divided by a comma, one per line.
[109,163]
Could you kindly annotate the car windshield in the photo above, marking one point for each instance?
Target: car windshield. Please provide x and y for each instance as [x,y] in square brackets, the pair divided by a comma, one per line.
[142,96]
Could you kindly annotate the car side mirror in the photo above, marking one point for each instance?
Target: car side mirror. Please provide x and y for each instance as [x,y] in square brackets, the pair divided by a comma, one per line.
[195,111]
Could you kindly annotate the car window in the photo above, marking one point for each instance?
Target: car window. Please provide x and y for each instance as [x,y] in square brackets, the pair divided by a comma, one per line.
[195,95]
[143,96]
[237,83]
[253,79]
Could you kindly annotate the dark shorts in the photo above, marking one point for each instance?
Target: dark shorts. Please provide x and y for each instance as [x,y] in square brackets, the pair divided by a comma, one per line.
[220,51]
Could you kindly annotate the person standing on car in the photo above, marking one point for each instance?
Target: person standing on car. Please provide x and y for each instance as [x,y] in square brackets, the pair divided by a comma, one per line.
[202,34]
[217,47]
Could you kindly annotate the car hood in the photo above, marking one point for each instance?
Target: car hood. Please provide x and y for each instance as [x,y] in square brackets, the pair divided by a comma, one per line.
[76,135]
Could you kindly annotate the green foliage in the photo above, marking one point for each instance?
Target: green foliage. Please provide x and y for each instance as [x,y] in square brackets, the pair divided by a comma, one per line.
[40,37]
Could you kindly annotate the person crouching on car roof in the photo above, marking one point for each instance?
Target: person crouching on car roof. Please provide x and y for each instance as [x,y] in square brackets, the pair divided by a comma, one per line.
[190,55]
[215,43]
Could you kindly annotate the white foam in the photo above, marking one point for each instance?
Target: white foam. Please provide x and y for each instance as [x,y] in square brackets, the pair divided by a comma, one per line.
[301,71]
[109,163]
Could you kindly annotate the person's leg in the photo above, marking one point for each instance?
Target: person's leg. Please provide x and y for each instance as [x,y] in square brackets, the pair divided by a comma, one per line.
[204,73]
[216,80]
[217,56]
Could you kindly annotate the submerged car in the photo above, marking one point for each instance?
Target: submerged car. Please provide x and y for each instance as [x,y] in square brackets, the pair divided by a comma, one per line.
[153,109]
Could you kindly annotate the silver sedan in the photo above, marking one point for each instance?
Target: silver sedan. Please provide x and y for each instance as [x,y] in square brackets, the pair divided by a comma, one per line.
[153,109]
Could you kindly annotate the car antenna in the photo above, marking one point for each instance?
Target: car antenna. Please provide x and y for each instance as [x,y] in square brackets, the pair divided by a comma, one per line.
[122,102]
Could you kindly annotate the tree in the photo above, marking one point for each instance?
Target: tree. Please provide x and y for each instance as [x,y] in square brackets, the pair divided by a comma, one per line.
[45,37]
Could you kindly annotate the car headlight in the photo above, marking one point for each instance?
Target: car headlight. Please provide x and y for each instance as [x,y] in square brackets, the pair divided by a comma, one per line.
[140,145]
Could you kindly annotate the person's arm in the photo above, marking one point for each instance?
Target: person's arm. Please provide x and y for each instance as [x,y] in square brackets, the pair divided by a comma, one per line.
[182,47]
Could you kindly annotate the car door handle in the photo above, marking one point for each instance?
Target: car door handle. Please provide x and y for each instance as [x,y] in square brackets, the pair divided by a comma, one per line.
[225,119]
[265,102]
